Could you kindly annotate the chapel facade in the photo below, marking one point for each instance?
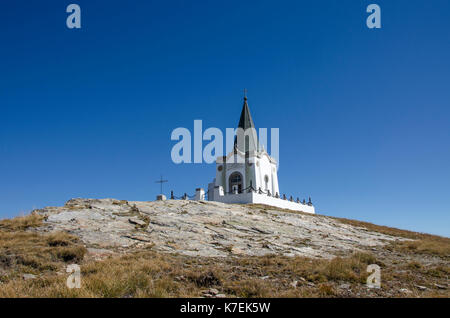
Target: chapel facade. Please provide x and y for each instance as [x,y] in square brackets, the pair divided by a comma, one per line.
[248,174]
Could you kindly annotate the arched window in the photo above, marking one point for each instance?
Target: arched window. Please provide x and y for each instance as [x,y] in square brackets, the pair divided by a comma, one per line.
[235,182]
[266,180]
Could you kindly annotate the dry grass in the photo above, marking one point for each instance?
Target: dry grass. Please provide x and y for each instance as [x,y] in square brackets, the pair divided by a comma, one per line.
[422,244]
[438,247]
[21,223]
[389,230]
[152,274]
[148,273]
[23,251]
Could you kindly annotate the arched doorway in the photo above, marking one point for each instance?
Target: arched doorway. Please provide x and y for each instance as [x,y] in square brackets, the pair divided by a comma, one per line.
[235,182]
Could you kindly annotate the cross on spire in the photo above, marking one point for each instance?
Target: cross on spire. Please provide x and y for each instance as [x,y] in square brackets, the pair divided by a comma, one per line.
[161,181]
[245,93]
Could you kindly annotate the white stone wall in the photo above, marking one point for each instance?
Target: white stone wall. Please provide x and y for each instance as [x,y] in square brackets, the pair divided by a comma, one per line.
[264,167]
[253,197]
[284,204]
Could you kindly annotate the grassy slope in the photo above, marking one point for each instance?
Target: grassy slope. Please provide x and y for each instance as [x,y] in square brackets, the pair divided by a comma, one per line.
[146,273]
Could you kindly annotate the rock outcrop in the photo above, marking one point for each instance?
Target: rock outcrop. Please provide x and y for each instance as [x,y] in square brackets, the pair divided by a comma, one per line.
[198,228]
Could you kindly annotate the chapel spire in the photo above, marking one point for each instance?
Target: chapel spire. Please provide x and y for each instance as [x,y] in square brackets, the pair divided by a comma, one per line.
[247,127]
[246,120]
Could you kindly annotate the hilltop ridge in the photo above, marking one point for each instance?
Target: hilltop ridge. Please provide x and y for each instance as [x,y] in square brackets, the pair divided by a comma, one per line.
[180,248]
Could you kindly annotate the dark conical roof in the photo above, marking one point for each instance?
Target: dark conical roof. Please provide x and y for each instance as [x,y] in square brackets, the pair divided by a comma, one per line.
[245,123]
[246,120]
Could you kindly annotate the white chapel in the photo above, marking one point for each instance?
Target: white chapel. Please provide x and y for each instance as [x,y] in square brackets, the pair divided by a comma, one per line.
[248,174]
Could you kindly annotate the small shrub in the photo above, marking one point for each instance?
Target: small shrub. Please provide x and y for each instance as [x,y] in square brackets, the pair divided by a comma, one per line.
[28,260]
[207,279]
[72,254]
[61,239]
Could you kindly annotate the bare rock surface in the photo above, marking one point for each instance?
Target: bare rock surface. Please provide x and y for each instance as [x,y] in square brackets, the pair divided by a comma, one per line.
[197,228]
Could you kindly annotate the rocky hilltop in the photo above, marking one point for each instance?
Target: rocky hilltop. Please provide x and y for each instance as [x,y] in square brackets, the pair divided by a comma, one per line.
[180,248]
[198,228]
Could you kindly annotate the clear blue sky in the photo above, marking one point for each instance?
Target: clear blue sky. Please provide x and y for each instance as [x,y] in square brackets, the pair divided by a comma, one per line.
[364,115]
